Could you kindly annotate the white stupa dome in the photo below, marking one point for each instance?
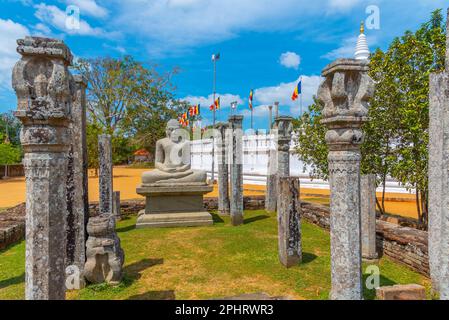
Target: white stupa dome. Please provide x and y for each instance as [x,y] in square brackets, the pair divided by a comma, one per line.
[362,49]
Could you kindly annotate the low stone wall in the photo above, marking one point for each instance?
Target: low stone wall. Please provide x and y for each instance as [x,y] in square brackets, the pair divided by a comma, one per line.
[404,245]
[12,226]
[11,171]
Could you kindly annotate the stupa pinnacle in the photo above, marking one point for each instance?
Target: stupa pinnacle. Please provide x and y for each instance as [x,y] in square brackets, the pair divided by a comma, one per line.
[362,49]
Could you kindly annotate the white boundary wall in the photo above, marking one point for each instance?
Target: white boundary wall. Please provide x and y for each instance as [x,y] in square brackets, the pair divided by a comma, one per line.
[255,160]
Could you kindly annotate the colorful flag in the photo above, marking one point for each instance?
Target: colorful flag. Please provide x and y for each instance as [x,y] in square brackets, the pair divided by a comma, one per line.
[297,91]
[251,97]
[197,109]
[216,57]
[217,104]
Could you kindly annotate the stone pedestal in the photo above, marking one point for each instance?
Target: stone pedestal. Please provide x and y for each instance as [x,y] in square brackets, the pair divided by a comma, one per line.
[289,222]
[77,191]
[223,172]
[368,207]
[106,175]
[401,292]
[236,170]
[43,85]
[174,206]
[439,179]
[345,93]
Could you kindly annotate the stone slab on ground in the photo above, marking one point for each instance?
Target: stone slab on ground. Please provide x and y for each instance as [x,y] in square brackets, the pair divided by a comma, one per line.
[401,292]
[169,220]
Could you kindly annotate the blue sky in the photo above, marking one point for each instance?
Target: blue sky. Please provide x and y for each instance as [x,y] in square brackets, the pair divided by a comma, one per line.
[265,45]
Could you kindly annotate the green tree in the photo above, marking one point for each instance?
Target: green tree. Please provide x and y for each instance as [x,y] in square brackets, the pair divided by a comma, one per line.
[9,154]
[129,101]
[312,146]
[397,134]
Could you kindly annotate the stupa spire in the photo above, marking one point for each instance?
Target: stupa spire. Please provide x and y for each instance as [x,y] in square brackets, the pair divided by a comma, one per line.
[362,49]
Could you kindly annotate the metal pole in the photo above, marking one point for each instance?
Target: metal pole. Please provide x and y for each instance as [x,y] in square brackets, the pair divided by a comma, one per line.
[252,110]
[213,135]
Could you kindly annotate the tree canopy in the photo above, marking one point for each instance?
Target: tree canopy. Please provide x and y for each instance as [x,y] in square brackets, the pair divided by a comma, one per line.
[396,136]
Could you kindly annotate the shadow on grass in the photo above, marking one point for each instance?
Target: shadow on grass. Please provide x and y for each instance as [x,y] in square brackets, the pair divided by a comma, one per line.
[370,294]
[254,219]
[308,257]
[12,281]
[133,271]
[217,218]
[126,229]
[155,295]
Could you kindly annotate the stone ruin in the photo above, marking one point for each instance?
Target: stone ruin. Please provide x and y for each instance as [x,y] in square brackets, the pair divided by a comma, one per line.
[52,109]
[105,257]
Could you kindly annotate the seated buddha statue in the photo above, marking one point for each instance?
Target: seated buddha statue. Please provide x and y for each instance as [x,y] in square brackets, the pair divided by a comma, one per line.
[172,161]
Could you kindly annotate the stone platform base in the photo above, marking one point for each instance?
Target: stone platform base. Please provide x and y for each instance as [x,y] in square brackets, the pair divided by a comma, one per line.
[168,220]
[174,205]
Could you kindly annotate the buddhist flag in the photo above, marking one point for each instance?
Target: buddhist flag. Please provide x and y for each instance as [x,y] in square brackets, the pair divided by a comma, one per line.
[217,104]
[297,91]
[251,97]
[197,109]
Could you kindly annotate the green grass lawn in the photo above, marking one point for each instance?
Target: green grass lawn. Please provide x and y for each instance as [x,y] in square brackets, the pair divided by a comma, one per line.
[210,262]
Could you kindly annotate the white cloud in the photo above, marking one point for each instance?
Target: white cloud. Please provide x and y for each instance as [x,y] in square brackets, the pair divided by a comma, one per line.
[206,102]
[283,92]
[89,7]
[10,31]
[181,24]
[290,60]
[343,4]
[54,16]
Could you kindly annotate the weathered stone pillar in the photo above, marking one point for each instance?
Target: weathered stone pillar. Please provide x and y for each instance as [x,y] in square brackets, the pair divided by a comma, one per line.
[236,199]
[439,179]
[368,213]
[106,177]
[223,172]
[289,222]
[77,176]
[284,129]
[42,83]
[116,207]
[271,189]
[345,93]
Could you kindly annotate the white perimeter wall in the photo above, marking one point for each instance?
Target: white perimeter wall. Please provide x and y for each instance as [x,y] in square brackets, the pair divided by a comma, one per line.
[255,160]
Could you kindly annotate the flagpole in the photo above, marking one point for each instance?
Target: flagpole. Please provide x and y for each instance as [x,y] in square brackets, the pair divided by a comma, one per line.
[300,98]
[252,125]
[213,135]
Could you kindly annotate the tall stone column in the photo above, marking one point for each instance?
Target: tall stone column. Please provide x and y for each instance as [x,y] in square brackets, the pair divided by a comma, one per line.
[368,212]
[236,199]
[439,179]
[289,222]
[106,177]
[345,93]
[271,188]
[77,176]
[284,129]
[223,172]
[43,85]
